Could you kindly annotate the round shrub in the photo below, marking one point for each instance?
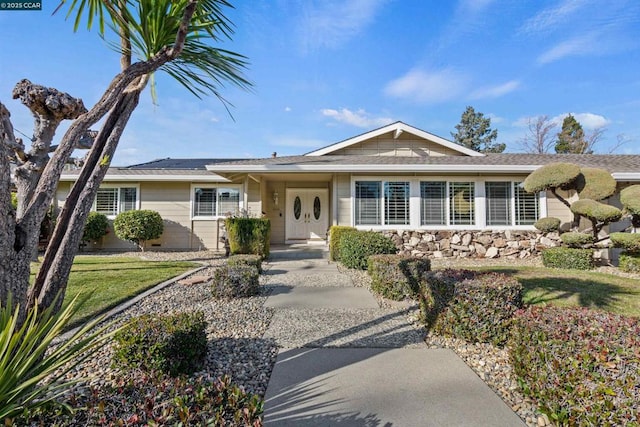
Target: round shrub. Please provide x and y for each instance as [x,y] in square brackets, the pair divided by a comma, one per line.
[627,241]
[548,224]
[245,260]
[235,281]
[629,263]
[357,247]
[575,239]
[138,226]
[96,227]
[596,211]
[552,175]
[630,199]
[397,276]
[595,184]
[576,259]
[174,344]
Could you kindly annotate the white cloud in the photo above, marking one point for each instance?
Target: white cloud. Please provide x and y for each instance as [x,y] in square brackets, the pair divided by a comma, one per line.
[427,87]
[287,109]
[581,45]
[495,119]
[359,118]
[587,120]
[552,17]
[495,91]
[329,24]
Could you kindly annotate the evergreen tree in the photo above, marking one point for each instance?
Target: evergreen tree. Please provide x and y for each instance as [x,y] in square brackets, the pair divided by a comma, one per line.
[474,132]
[571,139]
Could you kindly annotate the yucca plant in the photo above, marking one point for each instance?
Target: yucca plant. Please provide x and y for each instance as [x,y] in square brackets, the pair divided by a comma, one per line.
[31,377]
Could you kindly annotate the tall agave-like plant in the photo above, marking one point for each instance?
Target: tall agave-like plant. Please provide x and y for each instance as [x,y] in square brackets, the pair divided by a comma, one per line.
[31,377]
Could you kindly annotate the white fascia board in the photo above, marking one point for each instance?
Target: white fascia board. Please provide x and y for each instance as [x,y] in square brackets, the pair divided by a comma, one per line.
[395,127]
[378,168]
[141,178]
[626,176]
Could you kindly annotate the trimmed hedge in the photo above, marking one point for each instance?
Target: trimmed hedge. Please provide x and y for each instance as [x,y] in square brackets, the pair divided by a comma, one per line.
[627,241]
[357,247]
[548,224]
[173,344]
[471,305]
[244,260]
[595,184]
[577,259]
[582,367]
[396,276]
[138,226]
[575,239]
[335,234]
[236,281]
[629,263]
[596,210]
[249,235]
[552,175]
[630,199]
[96,227]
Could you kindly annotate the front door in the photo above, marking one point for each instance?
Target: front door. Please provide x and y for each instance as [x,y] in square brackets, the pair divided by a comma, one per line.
[307,214]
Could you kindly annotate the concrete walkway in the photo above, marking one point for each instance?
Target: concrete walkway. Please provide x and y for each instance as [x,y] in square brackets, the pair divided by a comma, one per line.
[344,361]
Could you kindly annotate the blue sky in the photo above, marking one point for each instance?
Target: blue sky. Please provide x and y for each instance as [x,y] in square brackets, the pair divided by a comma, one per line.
[328,70]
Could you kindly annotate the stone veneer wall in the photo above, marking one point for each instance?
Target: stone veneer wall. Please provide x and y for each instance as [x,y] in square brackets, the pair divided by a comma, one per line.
[472,244]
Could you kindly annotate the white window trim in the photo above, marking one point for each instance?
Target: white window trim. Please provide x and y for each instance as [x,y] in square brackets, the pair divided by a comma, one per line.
[480,222]
[192,200]
[118,186]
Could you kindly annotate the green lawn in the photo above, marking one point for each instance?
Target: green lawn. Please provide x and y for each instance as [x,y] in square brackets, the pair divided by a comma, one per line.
[112,280]
[577,288]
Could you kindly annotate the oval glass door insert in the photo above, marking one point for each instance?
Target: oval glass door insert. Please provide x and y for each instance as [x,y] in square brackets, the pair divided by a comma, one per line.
[297,207]
[316,208]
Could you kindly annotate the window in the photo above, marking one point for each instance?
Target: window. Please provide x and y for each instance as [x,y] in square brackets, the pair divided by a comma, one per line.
[113,200]
[526,206]
[461,203]
[215,201]
[396,203]
[433,203]
[367,209]
[498,196]
[508,204]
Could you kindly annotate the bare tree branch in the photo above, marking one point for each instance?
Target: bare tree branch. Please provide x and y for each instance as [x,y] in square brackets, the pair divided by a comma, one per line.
[539,138]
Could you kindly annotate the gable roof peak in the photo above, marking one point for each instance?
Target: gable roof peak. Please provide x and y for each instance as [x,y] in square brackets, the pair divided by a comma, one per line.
[397,128]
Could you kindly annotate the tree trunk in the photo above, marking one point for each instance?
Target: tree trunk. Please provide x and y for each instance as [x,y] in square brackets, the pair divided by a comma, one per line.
[63,246]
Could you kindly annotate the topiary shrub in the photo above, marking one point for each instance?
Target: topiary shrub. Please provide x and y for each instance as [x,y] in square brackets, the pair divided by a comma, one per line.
[474,306]
[249,235]
[548,224]
[580,366]
[630,199]
[396,276]
[598,213]
[357,247]
[138,226]
[95,228]
[236,281]
[174,344]
[335,234]
[577,259]
[629,263]
[575,239]
[551,176]
[627,241]
[246,260]
[595,184]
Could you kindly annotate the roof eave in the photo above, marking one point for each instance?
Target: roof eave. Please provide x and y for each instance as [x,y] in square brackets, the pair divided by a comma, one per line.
[375,168]
[153,177]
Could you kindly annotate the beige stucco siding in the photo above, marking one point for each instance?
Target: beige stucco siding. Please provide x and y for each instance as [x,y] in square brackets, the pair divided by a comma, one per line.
[406,145]
[557,209]
[343,188]
[254,204]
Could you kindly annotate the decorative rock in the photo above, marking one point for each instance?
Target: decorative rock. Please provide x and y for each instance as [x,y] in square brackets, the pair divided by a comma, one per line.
[445,244]
[460,248]
[492,252]
[414,241]
[547,242]
[485,240]
[466,239]
[455,240]
[480,250]
[499,242]
[438,254]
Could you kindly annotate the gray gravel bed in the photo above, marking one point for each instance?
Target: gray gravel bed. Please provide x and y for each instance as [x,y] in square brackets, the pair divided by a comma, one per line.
[235,332]
[330,327]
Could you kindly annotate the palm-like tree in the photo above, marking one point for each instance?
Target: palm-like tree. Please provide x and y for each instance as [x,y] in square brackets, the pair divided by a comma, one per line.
[179,37]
